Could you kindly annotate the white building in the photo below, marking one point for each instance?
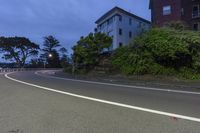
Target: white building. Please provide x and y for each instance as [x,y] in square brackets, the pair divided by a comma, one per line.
[122,26]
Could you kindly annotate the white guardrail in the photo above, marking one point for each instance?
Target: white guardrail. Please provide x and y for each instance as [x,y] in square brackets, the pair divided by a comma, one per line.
[6,70]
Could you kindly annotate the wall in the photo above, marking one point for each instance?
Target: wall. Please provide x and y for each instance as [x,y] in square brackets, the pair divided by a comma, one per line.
[157,11]
[113,28]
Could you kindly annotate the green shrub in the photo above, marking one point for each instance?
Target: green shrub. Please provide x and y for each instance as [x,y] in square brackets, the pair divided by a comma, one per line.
[157,69]
[166,47]
[189,74]
[161,51]
[68,69]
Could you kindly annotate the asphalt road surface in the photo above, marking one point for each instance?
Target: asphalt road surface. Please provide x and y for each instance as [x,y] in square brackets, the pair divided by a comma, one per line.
[38,102]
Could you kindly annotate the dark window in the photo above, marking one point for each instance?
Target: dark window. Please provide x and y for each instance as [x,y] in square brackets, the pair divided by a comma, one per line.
[120,31]
[195,11]
[100,26]
[120,44]
[130,21]
[167,10]
[130,34]
[95,30]
[140,24]
[120,18]
[109,21]
[196,26]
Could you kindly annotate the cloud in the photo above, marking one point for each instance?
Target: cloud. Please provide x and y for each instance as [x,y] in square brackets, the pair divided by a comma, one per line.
[66,19]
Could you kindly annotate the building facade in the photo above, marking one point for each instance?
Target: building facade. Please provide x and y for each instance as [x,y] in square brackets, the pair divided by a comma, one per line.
[187,11]
[121,25]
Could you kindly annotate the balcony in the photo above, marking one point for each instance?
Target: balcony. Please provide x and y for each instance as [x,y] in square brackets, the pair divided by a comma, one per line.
[196,14]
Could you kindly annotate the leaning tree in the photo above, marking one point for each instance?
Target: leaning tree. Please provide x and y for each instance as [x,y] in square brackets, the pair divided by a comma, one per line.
[18,49]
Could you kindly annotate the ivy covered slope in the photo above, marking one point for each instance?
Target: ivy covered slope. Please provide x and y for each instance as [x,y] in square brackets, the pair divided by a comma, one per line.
[161,51]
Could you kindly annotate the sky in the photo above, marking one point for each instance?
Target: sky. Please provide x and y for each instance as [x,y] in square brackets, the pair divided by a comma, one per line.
[67,20]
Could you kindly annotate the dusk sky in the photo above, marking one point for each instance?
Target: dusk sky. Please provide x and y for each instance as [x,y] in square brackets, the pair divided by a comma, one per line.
[67,20]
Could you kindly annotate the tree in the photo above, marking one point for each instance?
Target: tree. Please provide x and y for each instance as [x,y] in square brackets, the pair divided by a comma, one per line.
[50,43]
[54,60]
[63,50]
[18,49]
[64,58]
[36,63]
[88,49]
[50,46]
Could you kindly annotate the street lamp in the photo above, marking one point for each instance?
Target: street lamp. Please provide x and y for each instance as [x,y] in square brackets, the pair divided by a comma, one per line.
[45,61]
[50,55]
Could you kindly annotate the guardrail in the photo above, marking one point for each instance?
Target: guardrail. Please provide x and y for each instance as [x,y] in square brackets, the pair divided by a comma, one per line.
[5,70]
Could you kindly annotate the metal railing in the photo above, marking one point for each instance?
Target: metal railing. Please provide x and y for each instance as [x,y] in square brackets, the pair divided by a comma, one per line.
[6,70]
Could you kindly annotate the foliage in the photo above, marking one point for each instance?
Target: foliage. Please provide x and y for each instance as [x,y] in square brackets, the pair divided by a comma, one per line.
[177,25]
[50,44]
[36,63]
[18,49]
[88,49]
[64,61]
[54,60]
[160,51]
[50,47]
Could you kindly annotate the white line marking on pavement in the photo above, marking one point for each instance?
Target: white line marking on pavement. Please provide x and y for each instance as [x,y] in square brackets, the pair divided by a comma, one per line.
[109,102]
[119,85]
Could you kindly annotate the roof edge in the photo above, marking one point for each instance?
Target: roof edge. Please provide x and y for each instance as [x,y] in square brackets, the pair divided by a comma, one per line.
[123,11]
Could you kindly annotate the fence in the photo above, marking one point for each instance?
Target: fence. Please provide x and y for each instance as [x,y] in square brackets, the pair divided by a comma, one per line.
[5,70]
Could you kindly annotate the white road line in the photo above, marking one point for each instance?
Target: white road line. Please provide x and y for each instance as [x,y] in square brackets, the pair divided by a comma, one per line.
[119,85]
[109,102]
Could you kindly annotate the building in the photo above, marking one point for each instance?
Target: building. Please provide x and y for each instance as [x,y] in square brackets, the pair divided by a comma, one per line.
[187,11]
[121,25]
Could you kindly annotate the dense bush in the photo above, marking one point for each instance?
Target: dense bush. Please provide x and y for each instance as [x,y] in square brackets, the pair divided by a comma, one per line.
[160,51]
[88,49]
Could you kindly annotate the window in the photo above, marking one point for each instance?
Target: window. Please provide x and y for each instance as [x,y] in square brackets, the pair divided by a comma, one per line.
[110,21]
[196,27]
[140,24]
[95,30]
[120,44]
[130,34]
[166,10]
[120,31]
[120,18]
[130,21]
[195,11]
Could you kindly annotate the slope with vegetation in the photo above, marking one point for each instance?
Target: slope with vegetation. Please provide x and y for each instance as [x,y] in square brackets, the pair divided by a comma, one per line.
[161,51]
[171,50]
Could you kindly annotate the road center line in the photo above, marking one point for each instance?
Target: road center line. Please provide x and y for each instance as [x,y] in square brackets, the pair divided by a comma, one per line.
[119,85]
[108,102]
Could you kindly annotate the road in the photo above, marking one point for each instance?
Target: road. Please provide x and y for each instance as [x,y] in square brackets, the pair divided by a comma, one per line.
[38,102]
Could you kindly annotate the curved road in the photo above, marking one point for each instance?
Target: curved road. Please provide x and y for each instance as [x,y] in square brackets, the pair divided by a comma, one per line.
[33,102]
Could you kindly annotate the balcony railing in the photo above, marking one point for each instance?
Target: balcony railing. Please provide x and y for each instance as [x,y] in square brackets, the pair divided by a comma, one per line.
[195,14]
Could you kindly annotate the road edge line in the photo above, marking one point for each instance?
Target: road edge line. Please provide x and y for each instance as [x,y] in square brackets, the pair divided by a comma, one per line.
[120,85]
[108,102]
